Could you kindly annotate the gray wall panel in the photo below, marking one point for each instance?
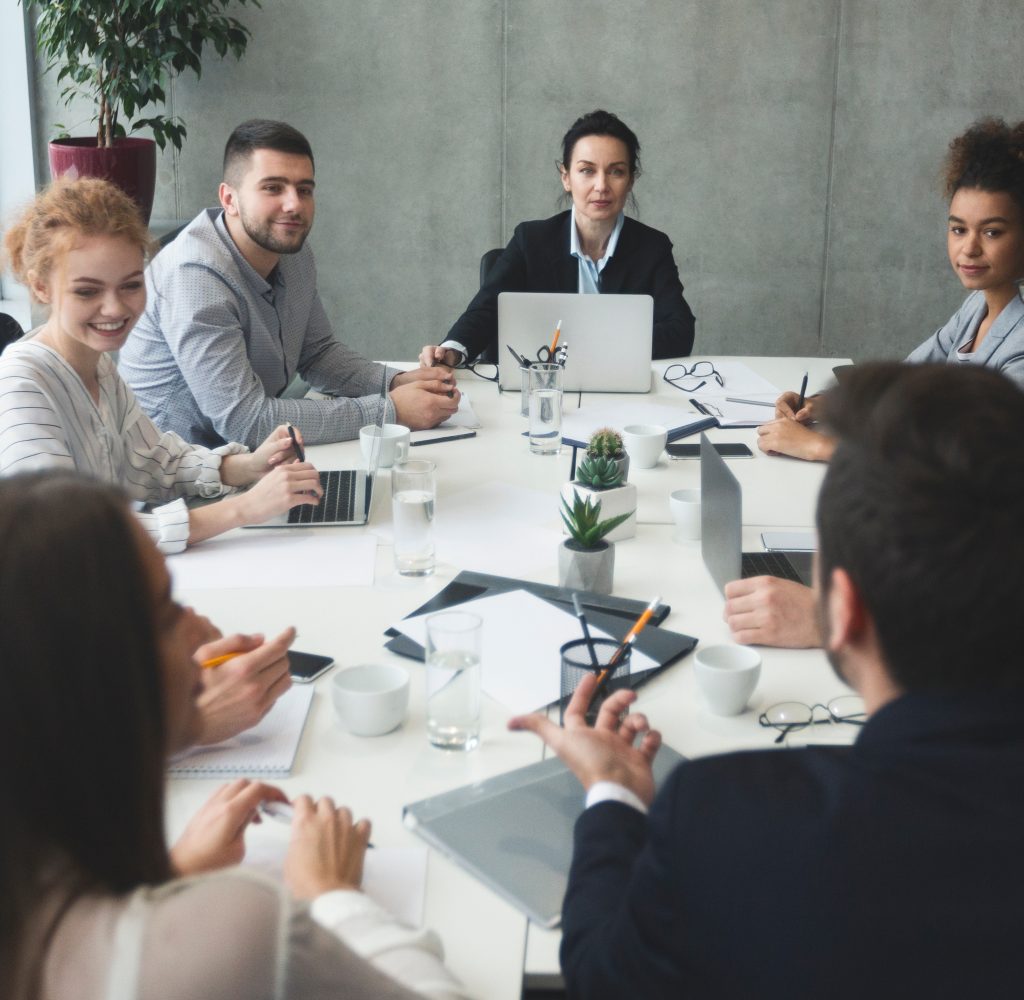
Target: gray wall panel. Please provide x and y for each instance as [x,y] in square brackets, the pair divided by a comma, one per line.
[791,149]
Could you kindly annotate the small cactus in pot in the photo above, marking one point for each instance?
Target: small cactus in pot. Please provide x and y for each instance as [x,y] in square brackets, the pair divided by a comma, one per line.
[607,443]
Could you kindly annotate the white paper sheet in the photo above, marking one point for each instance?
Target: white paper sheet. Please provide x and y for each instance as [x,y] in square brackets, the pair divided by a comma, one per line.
[483,528]
[522,635]
[464,416]
[278,557]
[579,425]
[790,541]
[743,383]
[394,877]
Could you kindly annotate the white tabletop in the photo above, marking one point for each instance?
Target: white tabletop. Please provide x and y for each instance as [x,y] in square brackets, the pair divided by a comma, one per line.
[485,938]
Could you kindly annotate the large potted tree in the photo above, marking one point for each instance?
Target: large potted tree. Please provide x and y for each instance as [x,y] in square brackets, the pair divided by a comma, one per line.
[121,54]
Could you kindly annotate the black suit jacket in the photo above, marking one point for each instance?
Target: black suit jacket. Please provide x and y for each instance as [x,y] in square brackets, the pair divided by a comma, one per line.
[894,868]
[537,259]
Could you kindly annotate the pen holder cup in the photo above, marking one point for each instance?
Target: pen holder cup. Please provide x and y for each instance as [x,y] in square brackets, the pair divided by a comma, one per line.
[577,662]
[524,398]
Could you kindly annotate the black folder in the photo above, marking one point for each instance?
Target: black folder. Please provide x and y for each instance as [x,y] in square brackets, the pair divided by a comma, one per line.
[615,615]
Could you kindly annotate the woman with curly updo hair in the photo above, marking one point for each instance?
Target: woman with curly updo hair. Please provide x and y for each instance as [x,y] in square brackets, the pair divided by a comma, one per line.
[984,181]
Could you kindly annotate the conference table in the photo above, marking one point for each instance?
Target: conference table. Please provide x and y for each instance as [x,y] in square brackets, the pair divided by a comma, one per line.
[497,512]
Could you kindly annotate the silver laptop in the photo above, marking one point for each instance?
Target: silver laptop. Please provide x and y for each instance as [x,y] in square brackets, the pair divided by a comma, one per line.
[347,493]
[609,338]
[721,530]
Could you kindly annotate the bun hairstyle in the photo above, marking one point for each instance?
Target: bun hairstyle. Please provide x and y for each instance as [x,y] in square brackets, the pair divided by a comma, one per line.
[988,156]
[62,214]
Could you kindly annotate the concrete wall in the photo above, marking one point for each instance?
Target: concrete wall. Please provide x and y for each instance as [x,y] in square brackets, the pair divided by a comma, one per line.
[791,149]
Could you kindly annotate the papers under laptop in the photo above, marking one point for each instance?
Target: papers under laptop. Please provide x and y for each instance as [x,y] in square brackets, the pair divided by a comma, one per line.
[721,526]
[609,338]
[347,493]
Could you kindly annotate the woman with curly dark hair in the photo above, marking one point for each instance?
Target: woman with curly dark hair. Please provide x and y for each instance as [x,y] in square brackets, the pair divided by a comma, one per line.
[984,180]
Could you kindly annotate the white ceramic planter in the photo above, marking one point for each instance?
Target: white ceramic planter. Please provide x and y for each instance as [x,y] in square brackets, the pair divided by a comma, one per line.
[586,569]
[620,500]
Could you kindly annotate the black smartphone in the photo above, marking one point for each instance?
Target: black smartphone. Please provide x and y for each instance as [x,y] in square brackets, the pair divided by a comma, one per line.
[727,449]
[306,667]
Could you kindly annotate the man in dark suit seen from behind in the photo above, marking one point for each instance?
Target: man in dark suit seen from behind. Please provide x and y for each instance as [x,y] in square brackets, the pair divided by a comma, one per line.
[891,868]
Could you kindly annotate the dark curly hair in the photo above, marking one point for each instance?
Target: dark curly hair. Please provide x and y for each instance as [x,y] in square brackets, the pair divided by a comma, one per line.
[988,156]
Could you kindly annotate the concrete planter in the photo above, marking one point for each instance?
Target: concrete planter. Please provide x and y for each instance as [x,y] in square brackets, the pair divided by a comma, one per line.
[586,569]
[618,500]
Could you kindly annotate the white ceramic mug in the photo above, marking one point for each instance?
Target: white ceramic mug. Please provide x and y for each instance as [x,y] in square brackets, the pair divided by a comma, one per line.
[685,508]
[727,676]
[371,699]
[394,443]
[644,443]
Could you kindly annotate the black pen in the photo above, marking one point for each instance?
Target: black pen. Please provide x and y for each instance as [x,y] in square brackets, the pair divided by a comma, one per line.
[586,630]
[520,361]
[299,453]
[446,437]
[803,392]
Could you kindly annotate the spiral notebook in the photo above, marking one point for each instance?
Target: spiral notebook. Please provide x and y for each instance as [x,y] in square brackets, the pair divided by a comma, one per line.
[265,751]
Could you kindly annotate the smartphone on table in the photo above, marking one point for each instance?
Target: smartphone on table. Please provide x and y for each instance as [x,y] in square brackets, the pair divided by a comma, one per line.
[306,667]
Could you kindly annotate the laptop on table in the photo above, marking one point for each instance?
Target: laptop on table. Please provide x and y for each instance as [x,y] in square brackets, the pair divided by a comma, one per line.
[609,338]
[721,530]
[347,493]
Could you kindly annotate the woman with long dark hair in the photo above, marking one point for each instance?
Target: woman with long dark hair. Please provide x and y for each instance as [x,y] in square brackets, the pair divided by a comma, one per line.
[100,687]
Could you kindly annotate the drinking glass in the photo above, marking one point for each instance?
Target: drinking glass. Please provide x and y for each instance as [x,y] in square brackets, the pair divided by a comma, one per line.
[545,409]
[412,510]
[453,679]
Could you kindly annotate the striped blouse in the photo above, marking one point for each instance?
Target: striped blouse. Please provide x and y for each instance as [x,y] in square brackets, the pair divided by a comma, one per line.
[48,420]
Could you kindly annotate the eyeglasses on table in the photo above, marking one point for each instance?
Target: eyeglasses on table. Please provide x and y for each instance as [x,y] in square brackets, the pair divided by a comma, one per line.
[792,716]
[699,372]
[483,369]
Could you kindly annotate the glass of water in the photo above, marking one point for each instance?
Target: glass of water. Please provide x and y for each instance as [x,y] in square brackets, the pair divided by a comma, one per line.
[412,514]
[545,409]
[453,679]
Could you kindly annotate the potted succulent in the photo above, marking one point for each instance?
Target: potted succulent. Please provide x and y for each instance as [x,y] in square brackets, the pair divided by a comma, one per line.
[600,477]
[606,443]
[586,560]
[121,54]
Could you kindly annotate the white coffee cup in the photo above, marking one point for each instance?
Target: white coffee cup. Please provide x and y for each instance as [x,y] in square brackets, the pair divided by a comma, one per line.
[685,508]
[371,699]
[394,443]
[644,444]
[727,676]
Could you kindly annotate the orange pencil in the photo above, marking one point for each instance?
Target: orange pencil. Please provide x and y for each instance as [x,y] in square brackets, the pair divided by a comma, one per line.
[554,342]
[218,660]
[631,635]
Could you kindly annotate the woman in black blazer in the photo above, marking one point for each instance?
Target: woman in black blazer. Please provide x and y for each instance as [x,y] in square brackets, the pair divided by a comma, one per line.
[616,255]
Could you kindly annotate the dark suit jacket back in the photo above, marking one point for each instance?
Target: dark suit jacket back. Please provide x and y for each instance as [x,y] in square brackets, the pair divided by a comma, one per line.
[892,869]
[537,259]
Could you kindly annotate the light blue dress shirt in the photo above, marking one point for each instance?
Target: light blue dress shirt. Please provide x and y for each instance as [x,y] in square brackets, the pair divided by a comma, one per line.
[590,271]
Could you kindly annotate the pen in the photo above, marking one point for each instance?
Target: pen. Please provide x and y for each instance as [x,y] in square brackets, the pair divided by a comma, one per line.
[750,402]
[283,812]
[218,660]
[638,627]
[439,440]
[299,453]
[554,340]
[803,393]
[586,630]
[520,360]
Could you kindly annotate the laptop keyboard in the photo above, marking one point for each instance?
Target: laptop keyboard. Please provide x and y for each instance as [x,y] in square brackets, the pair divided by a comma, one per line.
[338,502]
[768,564]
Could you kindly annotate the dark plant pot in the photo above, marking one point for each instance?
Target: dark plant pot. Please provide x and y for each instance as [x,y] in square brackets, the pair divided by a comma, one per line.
[129,163]
[586,569]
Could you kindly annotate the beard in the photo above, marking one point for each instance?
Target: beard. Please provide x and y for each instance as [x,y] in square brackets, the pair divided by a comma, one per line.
[263,235]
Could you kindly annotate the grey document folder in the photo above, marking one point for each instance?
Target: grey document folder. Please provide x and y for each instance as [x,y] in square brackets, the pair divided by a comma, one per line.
[514,831]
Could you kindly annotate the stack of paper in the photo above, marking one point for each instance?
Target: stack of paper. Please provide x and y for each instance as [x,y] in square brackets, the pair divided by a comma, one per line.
[745,400]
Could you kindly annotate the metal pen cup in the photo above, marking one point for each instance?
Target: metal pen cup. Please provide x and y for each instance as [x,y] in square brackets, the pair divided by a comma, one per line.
[577,663]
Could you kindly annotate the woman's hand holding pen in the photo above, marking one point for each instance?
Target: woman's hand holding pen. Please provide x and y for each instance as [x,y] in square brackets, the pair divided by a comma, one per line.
[788,437]
[277,449]
[215,836]
[327,848]
[788,406]
[609,751]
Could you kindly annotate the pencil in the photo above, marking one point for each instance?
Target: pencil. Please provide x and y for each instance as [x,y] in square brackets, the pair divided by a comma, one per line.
[638,627]
[554,340]
[218,660]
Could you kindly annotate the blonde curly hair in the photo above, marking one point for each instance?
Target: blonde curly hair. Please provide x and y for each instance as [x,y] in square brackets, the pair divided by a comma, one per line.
[61,215]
